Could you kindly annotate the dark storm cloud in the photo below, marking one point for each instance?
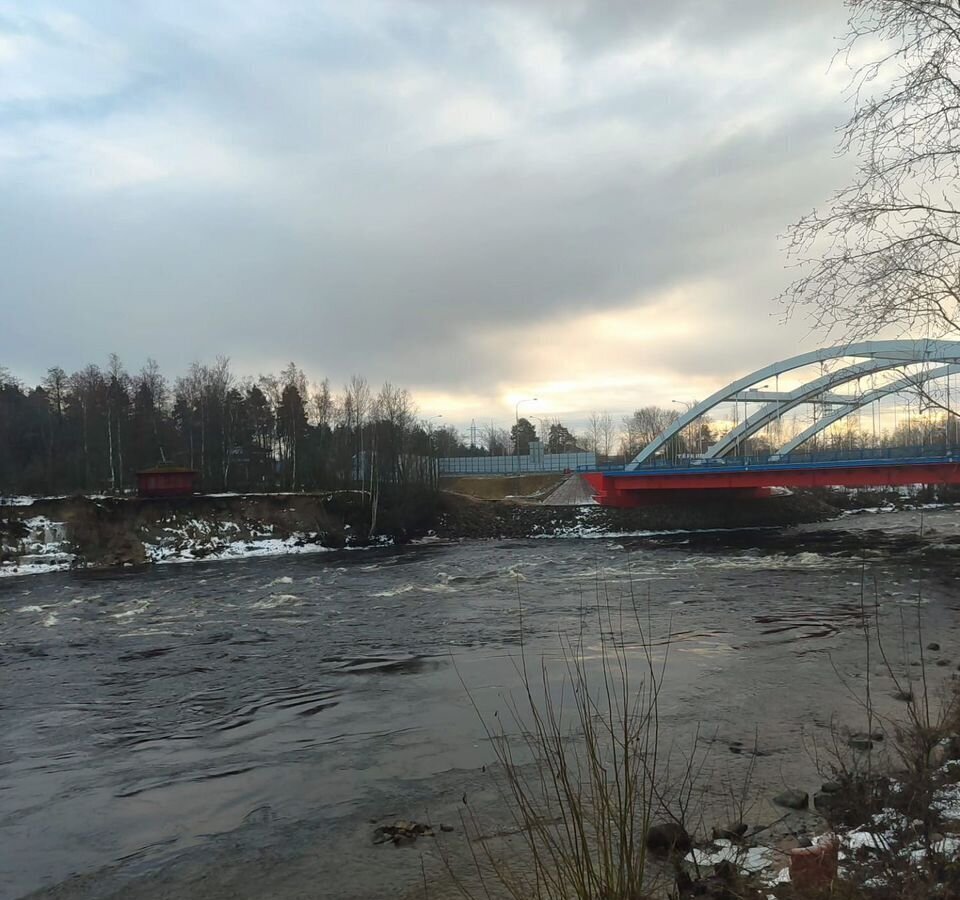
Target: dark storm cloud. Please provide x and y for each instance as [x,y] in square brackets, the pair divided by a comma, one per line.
[376,190]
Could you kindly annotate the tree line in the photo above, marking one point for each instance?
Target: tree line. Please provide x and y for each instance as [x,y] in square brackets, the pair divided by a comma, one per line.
[94,429]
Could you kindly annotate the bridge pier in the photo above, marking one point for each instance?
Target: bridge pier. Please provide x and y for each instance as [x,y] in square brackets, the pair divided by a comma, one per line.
[608,493]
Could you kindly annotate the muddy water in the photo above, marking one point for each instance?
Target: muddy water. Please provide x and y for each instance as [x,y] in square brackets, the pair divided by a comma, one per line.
[234,729]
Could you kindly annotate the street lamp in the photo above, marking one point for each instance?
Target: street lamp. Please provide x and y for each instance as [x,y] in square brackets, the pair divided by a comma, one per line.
[429,421]
[687,407]
[516,433]
[434,452]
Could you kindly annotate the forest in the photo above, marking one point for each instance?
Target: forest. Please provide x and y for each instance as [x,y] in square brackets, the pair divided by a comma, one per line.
[94,429]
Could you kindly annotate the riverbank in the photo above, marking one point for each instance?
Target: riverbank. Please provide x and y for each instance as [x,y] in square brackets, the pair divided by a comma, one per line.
[53,534]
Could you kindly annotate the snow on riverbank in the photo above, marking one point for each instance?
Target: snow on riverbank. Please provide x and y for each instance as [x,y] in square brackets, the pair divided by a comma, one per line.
[222,550]
[179,540]
[43,549]
[90,534]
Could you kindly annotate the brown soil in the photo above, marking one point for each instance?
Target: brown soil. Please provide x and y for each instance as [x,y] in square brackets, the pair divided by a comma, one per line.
[496,487]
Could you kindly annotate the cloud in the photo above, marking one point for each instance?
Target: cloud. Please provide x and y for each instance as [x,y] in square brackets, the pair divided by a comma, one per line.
[464,199]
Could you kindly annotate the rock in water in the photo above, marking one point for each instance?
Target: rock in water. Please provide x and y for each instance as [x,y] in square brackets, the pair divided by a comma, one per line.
[825,801]
[793,799]
[401,832]
[668,837]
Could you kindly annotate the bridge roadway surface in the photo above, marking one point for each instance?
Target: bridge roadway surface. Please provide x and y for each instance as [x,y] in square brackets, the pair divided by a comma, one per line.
[670,482]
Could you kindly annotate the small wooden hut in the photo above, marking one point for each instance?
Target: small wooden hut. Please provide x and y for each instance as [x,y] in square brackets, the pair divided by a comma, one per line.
[166,481]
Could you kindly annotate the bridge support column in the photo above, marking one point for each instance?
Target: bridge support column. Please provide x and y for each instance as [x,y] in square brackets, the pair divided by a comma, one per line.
[607,493]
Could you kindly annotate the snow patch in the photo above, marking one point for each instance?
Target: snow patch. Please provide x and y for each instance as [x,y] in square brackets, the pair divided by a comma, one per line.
[747,859]
[44,549]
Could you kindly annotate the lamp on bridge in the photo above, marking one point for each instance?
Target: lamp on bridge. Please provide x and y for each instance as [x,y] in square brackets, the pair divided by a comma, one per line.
[687,406]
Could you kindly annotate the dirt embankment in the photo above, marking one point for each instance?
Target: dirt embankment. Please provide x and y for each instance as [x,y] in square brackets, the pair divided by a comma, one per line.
[106,532]
[500,487]
[465,517]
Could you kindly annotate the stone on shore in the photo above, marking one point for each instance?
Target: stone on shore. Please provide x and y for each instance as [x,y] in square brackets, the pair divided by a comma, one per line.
[733,831]
[668,837]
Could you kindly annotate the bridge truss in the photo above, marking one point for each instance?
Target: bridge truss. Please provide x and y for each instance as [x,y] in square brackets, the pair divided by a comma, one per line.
[871,358]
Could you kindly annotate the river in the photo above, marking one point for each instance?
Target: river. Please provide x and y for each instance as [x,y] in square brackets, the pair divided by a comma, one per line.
[237,729]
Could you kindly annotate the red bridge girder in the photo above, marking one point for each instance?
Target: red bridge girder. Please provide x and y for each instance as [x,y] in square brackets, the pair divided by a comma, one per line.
[640,488]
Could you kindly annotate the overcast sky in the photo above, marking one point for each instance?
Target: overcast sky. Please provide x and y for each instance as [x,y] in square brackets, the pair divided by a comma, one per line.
[480,201]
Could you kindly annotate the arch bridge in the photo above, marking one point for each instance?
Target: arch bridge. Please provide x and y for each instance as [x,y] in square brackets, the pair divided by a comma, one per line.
[734,462]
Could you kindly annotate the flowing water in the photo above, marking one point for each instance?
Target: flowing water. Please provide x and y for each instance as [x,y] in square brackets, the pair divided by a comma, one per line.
[236,729]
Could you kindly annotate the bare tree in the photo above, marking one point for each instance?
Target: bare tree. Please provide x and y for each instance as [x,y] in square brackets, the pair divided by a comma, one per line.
[323,404]
[152,382]
[601,433]
[86,389]
[608,434]
[117,400]
[356,405]
[219,383]
[496,440]
[644,425]
[886,251]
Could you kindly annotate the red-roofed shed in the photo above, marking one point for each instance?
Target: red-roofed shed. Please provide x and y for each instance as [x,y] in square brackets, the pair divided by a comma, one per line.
[166,481]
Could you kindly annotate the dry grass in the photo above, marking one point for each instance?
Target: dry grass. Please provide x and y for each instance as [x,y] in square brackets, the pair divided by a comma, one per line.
[580,772]
[889,795]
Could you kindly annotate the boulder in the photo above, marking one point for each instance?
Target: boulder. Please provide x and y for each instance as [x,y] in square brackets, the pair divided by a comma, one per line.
[939,754]
[933,645]
[732,831]
[668,837]
[793,799]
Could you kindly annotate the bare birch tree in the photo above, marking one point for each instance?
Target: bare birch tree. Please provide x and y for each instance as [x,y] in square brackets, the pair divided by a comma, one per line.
[885,252]
[601,433]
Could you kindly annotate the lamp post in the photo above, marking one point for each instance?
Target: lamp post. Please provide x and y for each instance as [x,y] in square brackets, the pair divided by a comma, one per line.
[687,407]
[516,433]
[429,421]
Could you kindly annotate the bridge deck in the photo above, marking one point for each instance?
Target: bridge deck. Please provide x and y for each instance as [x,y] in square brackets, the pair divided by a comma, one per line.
[617,487]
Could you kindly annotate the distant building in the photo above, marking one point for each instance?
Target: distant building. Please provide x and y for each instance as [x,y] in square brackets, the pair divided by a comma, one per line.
[166,481]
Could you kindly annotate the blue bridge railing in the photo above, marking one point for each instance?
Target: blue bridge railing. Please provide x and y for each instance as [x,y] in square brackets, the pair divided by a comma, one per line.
[823,459]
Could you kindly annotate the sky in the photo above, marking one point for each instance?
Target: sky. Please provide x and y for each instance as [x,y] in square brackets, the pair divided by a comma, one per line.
[480,201]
